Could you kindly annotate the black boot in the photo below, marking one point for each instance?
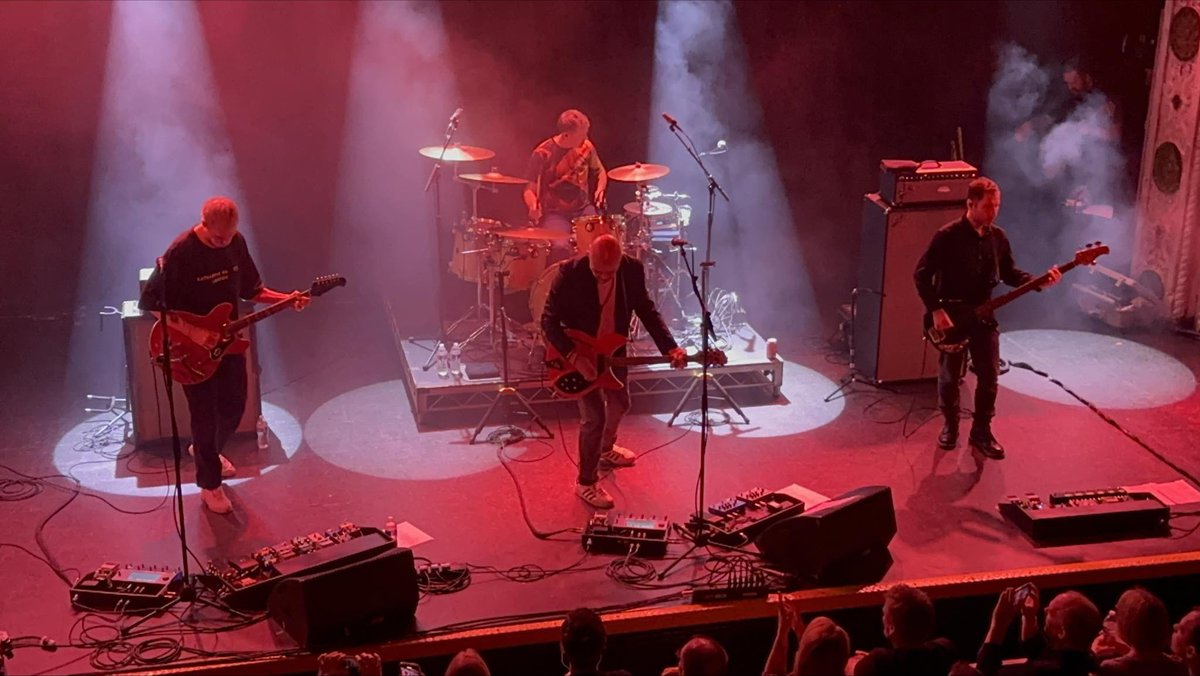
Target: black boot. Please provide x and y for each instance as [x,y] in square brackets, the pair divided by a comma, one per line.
[948,439]
[981,440]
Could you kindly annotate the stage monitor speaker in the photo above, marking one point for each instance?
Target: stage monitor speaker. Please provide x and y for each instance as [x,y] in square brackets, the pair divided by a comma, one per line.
[859,523]
[888,329]
[360,601]
[148,398]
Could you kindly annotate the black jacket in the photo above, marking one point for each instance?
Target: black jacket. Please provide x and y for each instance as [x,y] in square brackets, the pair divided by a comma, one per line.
[960,265]
[574,303]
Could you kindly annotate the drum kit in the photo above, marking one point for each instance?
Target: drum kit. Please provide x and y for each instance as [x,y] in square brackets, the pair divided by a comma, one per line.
[503,259]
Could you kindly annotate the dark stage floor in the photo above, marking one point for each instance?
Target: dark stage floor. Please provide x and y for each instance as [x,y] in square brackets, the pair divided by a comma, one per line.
[347,449]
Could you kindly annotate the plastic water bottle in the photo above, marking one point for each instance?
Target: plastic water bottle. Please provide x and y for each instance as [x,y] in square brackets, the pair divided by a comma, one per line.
[442,362]
[263,433]
[389,526]
[456,360]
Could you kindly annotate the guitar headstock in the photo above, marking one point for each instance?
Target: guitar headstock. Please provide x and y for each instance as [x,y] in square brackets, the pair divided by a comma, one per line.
[326,283]
[1088,254]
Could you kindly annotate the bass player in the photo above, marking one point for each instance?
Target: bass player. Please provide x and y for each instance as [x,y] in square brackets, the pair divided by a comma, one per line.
[209,264]
[965,261]
[597,294]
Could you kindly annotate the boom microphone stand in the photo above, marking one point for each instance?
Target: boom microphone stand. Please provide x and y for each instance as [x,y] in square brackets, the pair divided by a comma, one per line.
[435,182]
[697,527]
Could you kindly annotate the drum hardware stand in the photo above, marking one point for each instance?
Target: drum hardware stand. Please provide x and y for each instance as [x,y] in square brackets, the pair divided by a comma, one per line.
[506,389]
[435,182]
[853,375]
[697,529]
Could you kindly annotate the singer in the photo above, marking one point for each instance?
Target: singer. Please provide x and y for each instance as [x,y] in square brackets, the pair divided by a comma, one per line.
[209,264]
[561,170]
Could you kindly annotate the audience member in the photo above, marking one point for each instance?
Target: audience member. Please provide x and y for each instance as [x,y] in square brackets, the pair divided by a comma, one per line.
[701,656]
[1062,649]
[822,647]
[909,625]
[1143,625]
[468,663]
[582,644]
[1185,641]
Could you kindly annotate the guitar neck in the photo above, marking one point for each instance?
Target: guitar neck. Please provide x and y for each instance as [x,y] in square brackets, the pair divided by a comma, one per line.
[243,322]
[639,361]
[1006,298]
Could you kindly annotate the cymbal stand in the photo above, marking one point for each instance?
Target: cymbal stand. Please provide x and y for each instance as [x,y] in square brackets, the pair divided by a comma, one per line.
[482,304]
[435,183]
[507,391]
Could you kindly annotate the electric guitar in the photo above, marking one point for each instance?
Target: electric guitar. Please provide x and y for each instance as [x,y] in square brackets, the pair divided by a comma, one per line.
[568,382]
[964,316]
[199,342]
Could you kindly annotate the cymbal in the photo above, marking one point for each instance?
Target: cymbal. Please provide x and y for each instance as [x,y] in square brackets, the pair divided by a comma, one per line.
[492,177]
[533,233]
[651,209]
[638,172]
[458,153]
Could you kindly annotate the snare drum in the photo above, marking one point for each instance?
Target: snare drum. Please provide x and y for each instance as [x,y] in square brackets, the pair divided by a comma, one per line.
[585,229]
[540,291]
[471,241]
[523,259]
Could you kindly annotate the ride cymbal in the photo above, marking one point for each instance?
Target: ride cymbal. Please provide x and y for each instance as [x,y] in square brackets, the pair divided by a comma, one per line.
[458,153]
[638,172]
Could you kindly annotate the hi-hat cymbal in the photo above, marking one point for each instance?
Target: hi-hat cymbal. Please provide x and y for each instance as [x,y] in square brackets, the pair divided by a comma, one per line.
[492,177]
[533,233]
[650,208]
[458,153]
[638,172]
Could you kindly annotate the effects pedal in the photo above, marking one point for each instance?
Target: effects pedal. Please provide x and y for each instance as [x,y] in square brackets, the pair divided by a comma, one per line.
[124,588]
[616,533]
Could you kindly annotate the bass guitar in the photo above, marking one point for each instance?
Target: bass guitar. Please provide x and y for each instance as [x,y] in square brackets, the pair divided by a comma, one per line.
[965,317]
[568,382]
[199,342]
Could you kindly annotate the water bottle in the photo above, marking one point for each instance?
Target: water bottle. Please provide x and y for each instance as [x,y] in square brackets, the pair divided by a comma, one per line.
[389,526]
[263,432]
[456,360]
[442,362]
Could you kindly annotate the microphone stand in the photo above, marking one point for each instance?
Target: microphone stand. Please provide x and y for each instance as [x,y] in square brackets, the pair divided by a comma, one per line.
[435,182]
[697,528]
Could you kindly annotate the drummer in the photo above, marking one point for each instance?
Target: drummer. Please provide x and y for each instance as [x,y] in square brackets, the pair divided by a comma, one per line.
[561,170]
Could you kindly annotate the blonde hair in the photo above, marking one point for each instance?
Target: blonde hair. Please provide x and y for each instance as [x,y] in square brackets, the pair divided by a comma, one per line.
[218,209]
[572,120]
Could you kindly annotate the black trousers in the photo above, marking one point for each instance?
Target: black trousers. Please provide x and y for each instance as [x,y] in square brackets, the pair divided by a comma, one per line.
[216,406]
[984,347]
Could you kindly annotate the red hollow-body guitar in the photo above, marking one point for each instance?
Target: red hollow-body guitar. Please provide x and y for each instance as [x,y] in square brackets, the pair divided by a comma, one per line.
[199,342]
[570,383]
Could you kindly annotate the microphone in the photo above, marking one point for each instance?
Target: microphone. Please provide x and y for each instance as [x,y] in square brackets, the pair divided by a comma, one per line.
[457,114]
[678,241]
[671,121]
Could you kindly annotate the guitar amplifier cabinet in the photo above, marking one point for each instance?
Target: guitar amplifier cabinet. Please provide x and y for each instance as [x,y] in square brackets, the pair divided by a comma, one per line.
[902,182]
[887,312]
[148,398]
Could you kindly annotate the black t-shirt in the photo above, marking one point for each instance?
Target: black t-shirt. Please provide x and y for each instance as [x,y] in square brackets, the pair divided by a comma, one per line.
[563,175]
[934,658]
[195,277]
[962,265]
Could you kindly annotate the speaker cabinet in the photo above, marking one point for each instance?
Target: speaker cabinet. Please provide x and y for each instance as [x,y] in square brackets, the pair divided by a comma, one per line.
[855,524]
[359,601]
[148,398]
[888,330]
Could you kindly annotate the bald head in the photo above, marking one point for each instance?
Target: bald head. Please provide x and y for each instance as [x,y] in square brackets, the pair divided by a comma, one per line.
[604,256]
[703,656]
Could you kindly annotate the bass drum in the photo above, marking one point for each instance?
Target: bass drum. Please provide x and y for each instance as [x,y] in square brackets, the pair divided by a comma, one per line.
[539,292]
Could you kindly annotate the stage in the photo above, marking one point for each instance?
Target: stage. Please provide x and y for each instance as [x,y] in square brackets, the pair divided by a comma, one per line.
[346,447]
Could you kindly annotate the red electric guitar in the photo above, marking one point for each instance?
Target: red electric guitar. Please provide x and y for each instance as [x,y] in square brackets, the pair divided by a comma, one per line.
[198,343]
[570,383]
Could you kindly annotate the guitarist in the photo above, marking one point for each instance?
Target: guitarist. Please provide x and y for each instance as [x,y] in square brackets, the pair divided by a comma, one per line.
[597,294]
[206,265]
[965,261]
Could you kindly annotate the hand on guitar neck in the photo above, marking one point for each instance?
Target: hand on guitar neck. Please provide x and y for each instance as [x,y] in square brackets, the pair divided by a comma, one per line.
[589,365]
[942,321]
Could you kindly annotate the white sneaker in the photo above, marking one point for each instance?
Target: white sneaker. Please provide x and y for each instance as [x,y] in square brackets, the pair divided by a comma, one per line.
[619,456]
[595,495]
[216,501]
[228,471]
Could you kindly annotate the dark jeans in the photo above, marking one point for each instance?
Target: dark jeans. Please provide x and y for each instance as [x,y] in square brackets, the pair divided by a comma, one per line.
[984,347]
[600,414]
[216,406]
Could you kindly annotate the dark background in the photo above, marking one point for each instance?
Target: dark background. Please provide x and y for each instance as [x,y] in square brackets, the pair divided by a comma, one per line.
[841,85]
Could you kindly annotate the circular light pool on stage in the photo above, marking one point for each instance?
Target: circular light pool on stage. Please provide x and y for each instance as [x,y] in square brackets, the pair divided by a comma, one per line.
[141,473]
[371,431]
[1109,371]
[801,407]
